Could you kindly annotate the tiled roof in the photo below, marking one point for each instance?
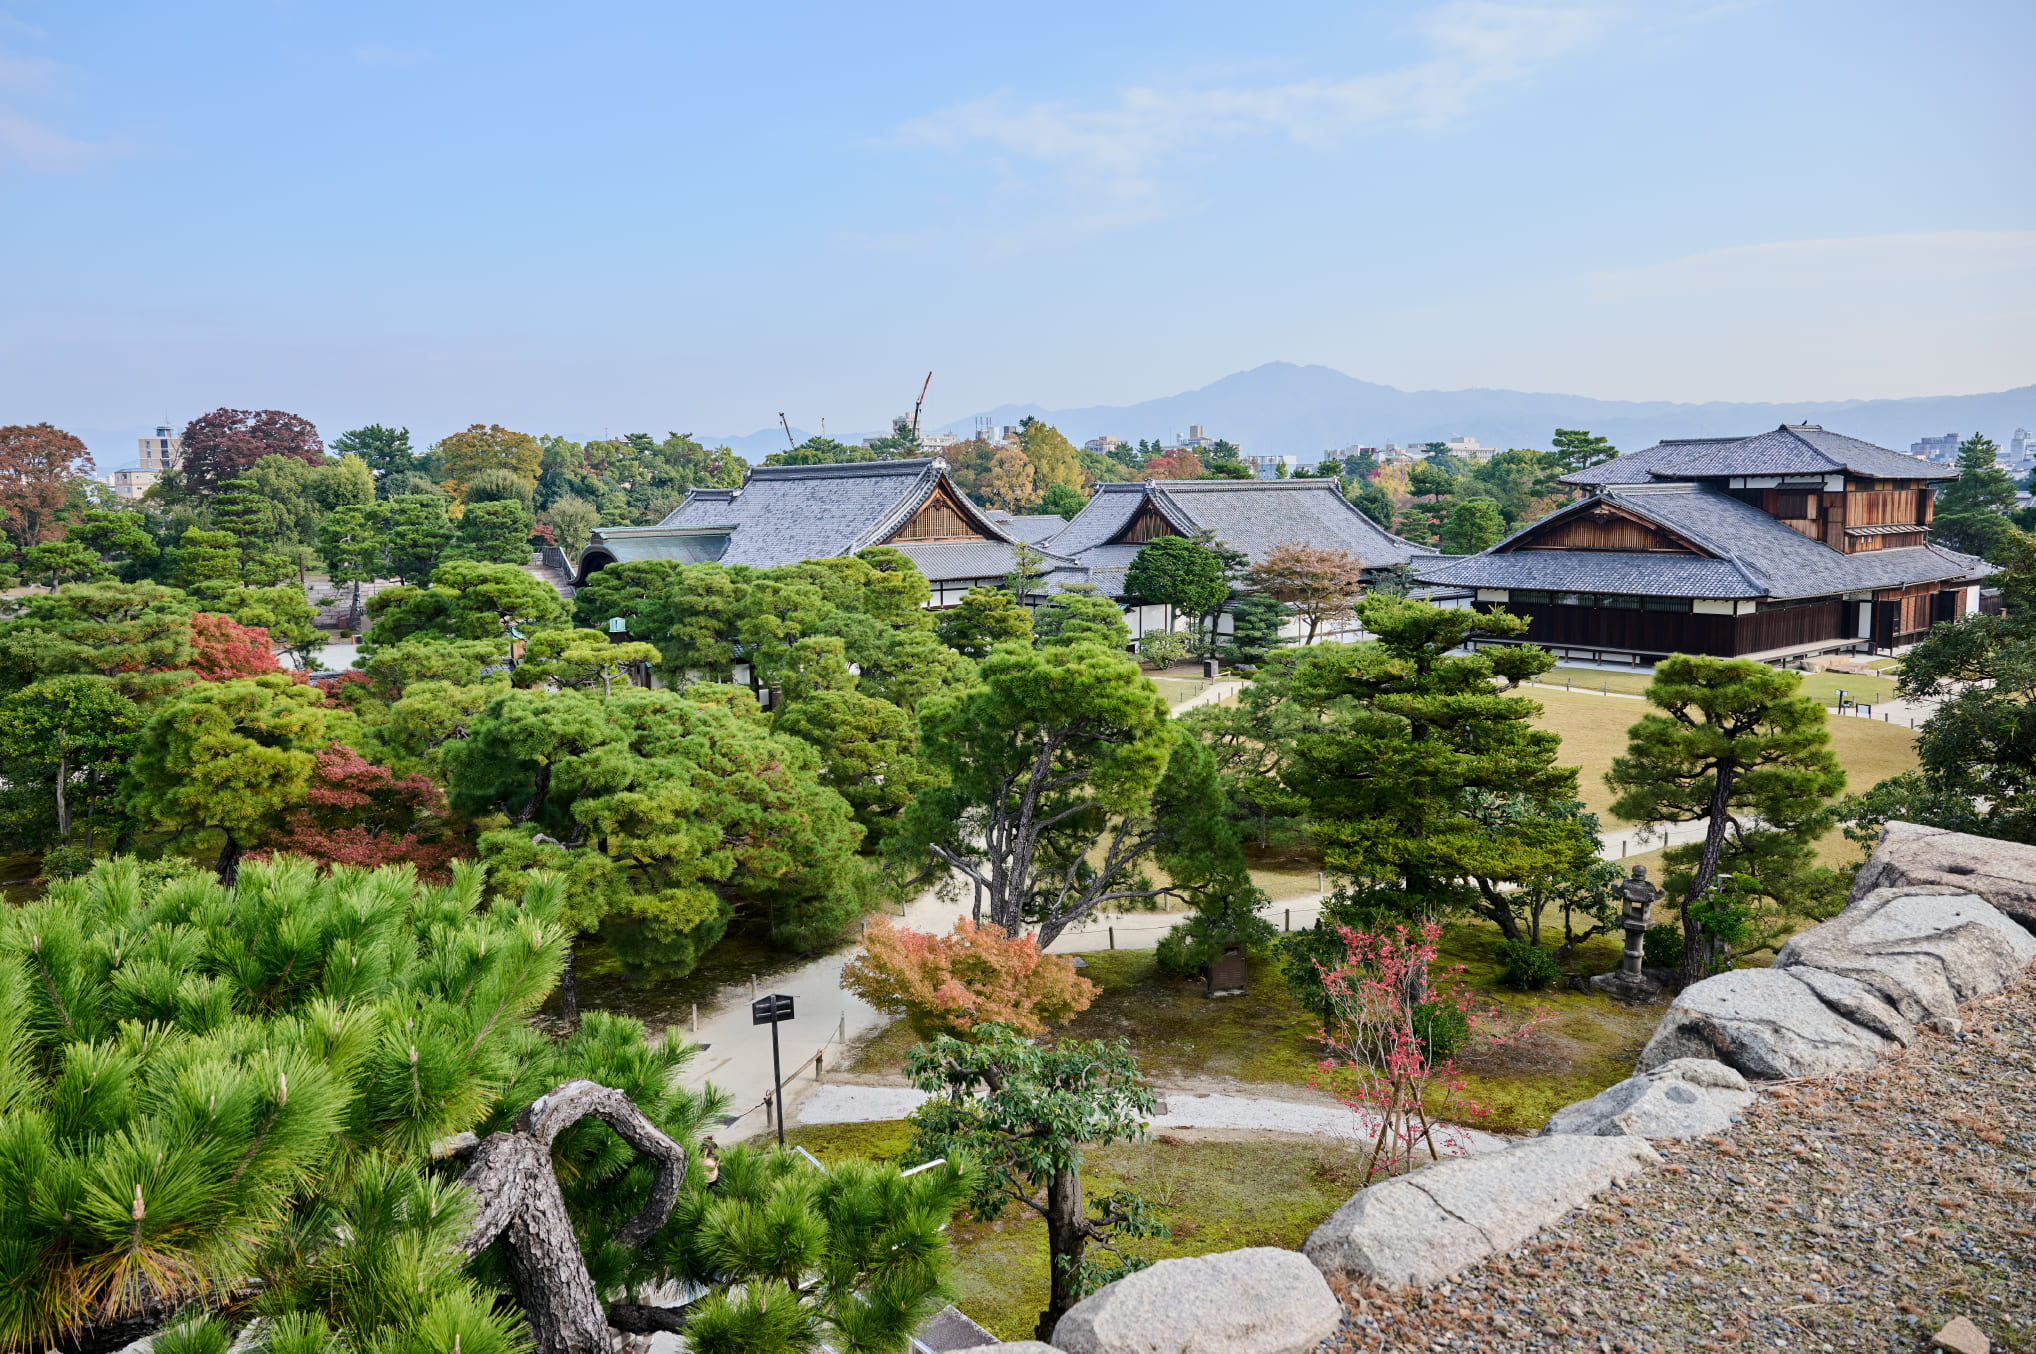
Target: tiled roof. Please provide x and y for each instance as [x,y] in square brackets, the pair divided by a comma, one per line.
[1636,468]
[623,545]
[1033,527]
[1753,555]
[973,559]
[1792,449]
[1248,515]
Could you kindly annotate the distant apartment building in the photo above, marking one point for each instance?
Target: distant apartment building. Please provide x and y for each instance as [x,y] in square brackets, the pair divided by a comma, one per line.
[1198,438]
[937,444]
[1941,449]
[164,451]
[1467,448]
[1269,467]
[1103,445]
[2021,448]
[132,483]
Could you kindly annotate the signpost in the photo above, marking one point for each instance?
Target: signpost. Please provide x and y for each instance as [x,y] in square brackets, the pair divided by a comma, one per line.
[769,1011]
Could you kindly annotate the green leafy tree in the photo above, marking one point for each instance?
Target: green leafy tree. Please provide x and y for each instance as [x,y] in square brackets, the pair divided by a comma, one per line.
[1426,479]
[119,538]
[1255,625]
[1737,748]
[1972,511]
[385,451]
[1473,524]
[493,531]
[869,753]
[63,740]
[415,532]
[1062,775]
[1574,449]
[1024,1113]
[983,619]
[1372,500]
[1080,615]
[1063,500]
[1175,572]
[572,521]
[60,562]
[351,543]
[1412,735]
[207,557]
[466,600]
[1249,739]
[229,757]
[136,635]
[1054,459]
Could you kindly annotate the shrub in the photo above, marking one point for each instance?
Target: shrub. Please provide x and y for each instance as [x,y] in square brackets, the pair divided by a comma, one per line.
[950,984]
[1525,966]
[1662,946]
[1162,650]
[1441,1027]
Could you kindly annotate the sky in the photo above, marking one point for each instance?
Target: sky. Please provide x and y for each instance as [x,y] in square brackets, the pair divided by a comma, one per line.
[600,217]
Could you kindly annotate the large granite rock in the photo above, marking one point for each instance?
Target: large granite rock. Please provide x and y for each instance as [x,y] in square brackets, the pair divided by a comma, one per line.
[1763,1024]
[2003,873]
[1258,1301]
[1858,1003]
[1921,950]
[1687,1098]
[1012,1347]
[1427,1225]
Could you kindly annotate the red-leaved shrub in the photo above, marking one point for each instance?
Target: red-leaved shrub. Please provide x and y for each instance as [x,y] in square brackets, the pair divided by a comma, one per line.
[950,984]
[223,649]
[357,813]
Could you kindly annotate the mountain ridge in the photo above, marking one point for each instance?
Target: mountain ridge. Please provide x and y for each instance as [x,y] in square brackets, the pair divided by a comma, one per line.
[1290,408]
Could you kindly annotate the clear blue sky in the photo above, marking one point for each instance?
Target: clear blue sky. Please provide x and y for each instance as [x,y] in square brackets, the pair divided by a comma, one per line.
[577,217]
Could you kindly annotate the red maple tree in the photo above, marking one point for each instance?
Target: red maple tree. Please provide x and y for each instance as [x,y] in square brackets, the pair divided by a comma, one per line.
[950,984]
[223,649]
[357,813]
[38,464]
[221,444]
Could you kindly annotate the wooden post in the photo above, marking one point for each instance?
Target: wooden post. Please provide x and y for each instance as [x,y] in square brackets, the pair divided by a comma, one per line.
[816,1063]
[1113,937]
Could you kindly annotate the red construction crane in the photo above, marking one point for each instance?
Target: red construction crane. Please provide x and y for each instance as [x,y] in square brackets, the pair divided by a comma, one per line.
[920,401]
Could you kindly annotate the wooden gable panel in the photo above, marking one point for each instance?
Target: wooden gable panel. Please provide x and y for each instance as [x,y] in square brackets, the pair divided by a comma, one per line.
[941,519]
[1604,527]
[1145,525]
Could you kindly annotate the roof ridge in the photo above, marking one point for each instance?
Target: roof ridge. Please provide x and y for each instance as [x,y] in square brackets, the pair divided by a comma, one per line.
[913,466]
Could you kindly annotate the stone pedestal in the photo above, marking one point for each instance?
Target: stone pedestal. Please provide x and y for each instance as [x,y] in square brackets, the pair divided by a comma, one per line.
[1626,986]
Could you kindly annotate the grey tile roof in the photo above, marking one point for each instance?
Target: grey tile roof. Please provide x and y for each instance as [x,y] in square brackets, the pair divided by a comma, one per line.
[623,545]
[1753,555]
[1033,527]
[1636,468]
[1592,571]
[1792,449]
[970,559]
[1248,515]
[784,514]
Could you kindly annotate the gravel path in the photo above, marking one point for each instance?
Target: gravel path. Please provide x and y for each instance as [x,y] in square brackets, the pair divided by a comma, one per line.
[840,1104]
[1855,1213]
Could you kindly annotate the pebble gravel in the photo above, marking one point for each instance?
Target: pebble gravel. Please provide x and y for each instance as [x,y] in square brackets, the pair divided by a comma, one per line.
[1853,1213]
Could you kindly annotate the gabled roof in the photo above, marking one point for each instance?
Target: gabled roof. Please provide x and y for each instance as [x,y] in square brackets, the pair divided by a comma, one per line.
[1791,449]
[785,514]
[624,545]
[1248,515]
[1747,554]
[1033,527]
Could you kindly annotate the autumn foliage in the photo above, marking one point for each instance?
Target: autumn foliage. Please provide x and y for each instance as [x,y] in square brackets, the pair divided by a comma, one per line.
[220,445]
[222,649]
[357,813]
[1175,465]
[973,975]
[38,464]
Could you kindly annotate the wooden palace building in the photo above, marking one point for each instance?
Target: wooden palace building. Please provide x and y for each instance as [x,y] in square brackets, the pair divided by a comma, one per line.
[1777,547]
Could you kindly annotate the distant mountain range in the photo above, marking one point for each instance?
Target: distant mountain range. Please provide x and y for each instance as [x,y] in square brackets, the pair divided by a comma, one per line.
[1284,408]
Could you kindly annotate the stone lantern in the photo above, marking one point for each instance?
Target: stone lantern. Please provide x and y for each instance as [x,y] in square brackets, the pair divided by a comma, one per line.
[1636,903]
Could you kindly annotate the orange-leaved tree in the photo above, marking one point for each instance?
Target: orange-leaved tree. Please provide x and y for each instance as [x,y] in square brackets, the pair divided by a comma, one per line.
[973,975]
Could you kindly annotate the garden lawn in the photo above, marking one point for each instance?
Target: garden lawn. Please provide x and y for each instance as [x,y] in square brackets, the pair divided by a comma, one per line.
[1593,730]
[1215,1196]
[1825,686]
[1181,1037]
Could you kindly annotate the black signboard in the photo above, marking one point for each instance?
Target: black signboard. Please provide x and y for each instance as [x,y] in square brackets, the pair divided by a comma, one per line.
[770,1010]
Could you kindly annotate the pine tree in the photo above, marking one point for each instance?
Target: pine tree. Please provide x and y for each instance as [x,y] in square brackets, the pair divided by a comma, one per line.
[1972,512]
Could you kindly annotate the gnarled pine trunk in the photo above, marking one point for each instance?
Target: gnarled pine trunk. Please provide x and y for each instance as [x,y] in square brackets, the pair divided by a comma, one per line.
[1067,1237]
[512,1179]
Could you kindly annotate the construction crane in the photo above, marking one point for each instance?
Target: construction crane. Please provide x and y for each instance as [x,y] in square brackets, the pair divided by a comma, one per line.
[788,431]
[918,402]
